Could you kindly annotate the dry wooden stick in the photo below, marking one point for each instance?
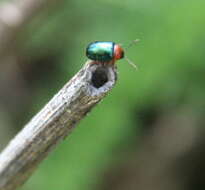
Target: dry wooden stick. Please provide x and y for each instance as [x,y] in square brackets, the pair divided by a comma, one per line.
[54,122]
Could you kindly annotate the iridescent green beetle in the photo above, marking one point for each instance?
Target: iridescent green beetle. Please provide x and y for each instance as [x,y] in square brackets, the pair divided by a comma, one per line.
[107,52]
[104,52]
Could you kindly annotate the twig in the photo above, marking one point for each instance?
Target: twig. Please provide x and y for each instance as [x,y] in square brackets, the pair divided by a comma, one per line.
[54,122]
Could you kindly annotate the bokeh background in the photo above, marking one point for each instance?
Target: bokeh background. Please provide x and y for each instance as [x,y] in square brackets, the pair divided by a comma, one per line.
[148,133]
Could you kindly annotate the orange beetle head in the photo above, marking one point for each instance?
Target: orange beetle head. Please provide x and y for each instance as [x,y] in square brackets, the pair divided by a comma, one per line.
[118,52]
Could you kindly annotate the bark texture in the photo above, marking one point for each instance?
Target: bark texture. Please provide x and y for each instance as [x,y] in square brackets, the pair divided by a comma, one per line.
[54,122]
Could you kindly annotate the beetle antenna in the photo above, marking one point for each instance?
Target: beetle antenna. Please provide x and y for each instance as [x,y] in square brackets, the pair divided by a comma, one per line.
[132,43]
[131,63]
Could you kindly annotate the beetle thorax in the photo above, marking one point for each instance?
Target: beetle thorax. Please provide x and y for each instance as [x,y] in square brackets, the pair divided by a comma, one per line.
[118,52]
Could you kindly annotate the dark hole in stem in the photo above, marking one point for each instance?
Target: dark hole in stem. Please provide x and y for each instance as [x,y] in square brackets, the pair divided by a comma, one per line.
[99,77]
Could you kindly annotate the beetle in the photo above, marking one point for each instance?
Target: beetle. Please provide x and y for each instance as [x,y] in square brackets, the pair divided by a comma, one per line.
[107,52]
[104,52]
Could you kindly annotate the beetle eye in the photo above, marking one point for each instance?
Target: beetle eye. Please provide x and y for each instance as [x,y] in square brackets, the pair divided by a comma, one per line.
[122,55]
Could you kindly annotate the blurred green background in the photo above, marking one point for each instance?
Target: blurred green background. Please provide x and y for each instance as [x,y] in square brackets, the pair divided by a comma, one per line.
[50,49]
